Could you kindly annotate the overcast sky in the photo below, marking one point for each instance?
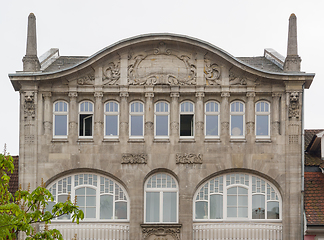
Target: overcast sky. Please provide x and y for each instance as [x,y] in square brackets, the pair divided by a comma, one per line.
[240,27]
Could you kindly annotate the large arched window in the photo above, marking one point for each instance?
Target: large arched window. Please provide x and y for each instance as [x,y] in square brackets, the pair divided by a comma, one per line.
[136,119]
[99,197]
[161,123]
[86,119]
[187,113]
[237,196]
[237,120]
[212,119]
[262,119]
[111,119]
[161,199]
[60,119]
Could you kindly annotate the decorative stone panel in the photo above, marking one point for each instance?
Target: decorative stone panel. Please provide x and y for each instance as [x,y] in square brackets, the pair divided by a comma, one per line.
[161,231]
[293,111]
[29,104]
[212,73]
[137,158]
[188,158]
[111,74]
[87,79]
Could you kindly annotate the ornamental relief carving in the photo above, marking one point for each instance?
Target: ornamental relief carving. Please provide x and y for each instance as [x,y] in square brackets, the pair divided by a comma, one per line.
[111,74]
[212,73]
[239,79]
[29,104]
[161,66]
[293,111]
[188,158]
[129,158]
[88,79]
[160,232]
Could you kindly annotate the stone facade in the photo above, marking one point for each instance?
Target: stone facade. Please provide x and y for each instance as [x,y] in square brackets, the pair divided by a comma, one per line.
[173,69]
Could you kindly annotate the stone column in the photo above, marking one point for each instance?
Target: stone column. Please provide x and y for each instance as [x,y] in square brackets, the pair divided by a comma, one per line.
[174,117]
[48,116]
[98,117]
[224,116]
[275,110]
[199,115]
[149,116]
[124,113]
[250,114]
[73,117]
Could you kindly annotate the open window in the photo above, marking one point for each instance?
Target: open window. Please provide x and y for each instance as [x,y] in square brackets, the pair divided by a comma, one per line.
[60,119]
[86,119]
[187,120]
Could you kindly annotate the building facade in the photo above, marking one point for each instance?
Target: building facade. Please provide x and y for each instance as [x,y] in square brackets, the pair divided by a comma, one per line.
[163,136]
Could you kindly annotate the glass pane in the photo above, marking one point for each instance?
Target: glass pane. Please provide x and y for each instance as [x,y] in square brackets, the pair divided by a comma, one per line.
[169,207]
[216,206]
[106,207]
[90,212]
[211,125]
[91,201]
[258,210]
[152,207]
[60,125]
[186,125]
[80,200]
[111,125]
[242,200]
[236,125]
[262,125]
[161,125]
[231,200]
[49,206]
[80,191]
[273,210]
[63,198]
[121,210]
[136,125]
[242,212]
[201,210]
[231,212]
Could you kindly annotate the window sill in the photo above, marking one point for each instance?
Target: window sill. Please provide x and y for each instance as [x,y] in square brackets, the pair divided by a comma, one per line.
[157,140]
[110,140]
[85,140]
[263,140]
[212,140]
[60,140]
[187,140]
[136,141]
[238,140]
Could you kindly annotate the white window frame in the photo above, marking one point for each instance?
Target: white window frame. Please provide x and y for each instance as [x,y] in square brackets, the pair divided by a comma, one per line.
[214,113]
[130,120]
[262,113]
[193,119]
[237,113]
[250,195]
[87,113]
[61,113]
[165,113]
[111,113]
[72,194]
[161,191]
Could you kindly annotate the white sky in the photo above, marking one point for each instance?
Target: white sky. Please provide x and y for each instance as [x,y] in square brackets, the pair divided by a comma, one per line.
[240,27]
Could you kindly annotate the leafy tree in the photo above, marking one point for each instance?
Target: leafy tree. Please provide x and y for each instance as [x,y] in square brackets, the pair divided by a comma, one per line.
[20,213]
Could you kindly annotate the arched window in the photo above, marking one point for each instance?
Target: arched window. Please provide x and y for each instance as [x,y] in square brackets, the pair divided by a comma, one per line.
[136,119]
[99,197]
[211,119]
[86,119]
[237,127]
[237,196]
[161,199]
[111,119]
[187,114]
[60,119]
[161,123]
[262,119]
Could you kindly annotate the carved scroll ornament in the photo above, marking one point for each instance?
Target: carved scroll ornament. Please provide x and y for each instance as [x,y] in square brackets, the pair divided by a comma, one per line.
[161,66]
[159,231]
[190,158]
[212,73]
[111,74]
[87,79]
[140,158]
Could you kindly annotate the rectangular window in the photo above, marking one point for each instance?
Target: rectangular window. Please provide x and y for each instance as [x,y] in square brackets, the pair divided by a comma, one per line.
[60,127]
[85,125]
[186,125]
[111,125]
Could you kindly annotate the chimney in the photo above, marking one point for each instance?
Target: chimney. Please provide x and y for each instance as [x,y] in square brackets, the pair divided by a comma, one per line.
[292,61]
[30,60]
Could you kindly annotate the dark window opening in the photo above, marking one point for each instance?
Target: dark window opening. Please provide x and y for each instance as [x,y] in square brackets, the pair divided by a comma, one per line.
[186,125]
[85,125]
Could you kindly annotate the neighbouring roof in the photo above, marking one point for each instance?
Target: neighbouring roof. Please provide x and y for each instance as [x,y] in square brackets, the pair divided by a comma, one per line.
[312,155]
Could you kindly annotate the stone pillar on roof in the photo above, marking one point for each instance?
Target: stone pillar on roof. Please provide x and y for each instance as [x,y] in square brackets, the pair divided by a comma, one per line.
[292,61]
[30,60]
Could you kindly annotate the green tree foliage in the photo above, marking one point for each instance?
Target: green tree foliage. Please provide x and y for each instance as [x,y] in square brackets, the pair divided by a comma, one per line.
[21,212]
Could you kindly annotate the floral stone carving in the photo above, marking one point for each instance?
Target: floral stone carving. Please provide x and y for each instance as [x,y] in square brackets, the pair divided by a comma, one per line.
[161,231]
[184,158]
[87,79]
[111,74]
[212,73]
[140,158]
[152,67]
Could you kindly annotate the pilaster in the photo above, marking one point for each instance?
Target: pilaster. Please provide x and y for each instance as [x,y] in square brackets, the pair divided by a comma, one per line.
[48,116]
[174,122]
[199,115]
[73,117]
[98,117]
[124,113]
[224,116]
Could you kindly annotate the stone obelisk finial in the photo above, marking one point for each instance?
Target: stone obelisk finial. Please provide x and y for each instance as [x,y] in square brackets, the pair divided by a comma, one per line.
[30,60]
[292,62]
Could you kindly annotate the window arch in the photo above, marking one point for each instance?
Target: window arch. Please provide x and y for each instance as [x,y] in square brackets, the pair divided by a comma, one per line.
[60,119]
[187,113]
[161,199]
[136,119]
[111,119]
[211,119]
[237,196]
[161,123]
[262,119]
[99,197]
[237,126]
[86,119]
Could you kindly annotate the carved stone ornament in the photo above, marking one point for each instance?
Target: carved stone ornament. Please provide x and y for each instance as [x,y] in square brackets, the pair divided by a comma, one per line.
[124,94]
[250,127]
[140,158]
[212,73]
[152,68]
[73,94]
[250,94]
[236,80]
[161,231]
[29,104]
[199,125]
[111,74]
[98,94]
[200,95]
[225,126]
[86,79]
[149,126]
[293,105]
[185,158]
[225,94]
[174,126]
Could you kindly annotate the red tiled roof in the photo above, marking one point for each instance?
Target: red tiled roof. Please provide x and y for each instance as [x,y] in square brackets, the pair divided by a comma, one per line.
[312,160]
[14,181]
[314,198]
